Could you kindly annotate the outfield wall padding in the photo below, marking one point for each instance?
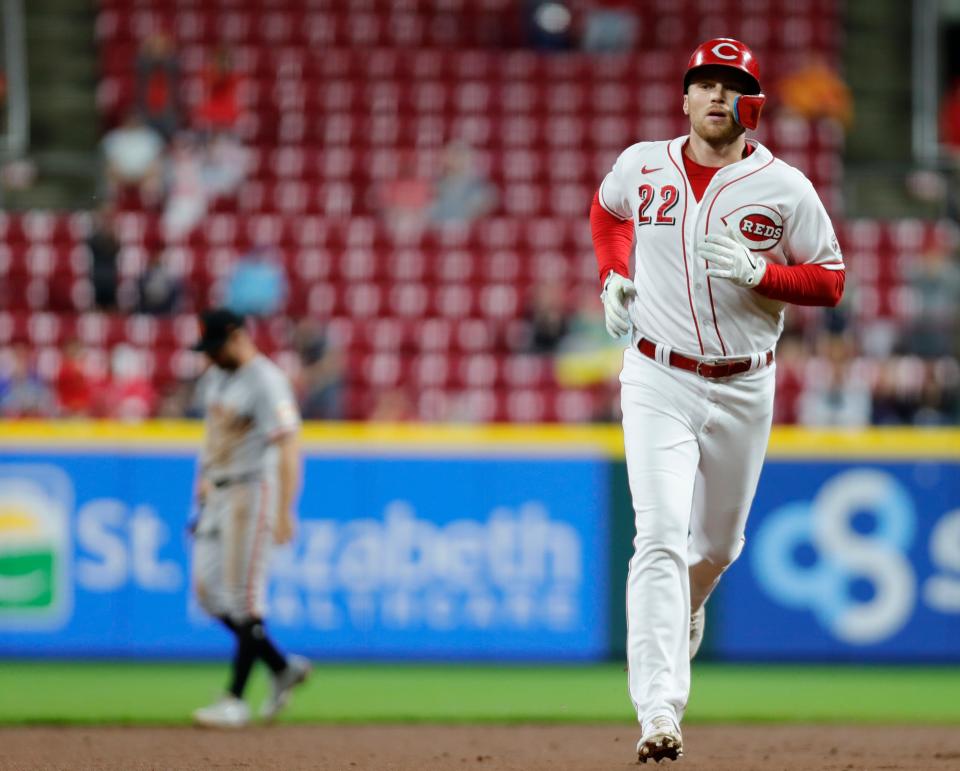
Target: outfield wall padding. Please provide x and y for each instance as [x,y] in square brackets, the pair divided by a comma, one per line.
[479,543]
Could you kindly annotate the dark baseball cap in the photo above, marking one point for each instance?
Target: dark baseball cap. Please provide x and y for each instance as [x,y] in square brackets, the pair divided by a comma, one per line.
[216,325]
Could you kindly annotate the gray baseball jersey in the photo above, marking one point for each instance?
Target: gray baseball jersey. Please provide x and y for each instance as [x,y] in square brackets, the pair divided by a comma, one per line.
[246,411]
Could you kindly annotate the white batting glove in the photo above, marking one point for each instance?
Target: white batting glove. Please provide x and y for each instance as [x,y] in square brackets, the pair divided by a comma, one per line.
[729,258]
[616,295]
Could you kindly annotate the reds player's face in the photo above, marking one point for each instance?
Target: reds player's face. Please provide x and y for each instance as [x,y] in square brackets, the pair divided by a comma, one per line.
[709,104]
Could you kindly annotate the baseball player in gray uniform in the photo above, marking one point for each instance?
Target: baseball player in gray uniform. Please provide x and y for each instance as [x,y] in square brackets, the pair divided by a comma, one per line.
[249,474]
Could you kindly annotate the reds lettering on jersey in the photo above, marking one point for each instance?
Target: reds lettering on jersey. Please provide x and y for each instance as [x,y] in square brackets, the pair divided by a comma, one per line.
[770,206]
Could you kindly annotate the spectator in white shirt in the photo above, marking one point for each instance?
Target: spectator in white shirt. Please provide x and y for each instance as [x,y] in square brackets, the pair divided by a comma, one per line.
[134,156]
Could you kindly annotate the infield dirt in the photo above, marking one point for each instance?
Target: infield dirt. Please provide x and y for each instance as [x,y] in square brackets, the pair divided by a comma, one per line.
[491,748]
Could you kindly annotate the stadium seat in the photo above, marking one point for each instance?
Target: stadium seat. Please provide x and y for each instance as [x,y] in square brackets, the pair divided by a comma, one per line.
[336,101]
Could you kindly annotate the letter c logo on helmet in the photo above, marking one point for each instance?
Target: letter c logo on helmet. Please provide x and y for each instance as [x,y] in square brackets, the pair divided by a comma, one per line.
[729,57]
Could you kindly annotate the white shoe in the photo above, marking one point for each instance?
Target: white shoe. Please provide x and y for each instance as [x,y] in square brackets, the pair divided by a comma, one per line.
[660,741]
[698,622]
[229,712]
[297,672]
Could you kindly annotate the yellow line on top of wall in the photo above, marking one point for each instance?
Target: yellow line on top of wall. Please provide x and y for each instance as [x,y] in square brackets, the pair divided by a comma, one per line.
[500,439]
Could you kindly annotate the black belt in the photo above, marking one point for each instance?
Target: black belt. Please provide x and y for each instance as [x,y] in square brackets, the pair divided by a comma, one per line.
[240,479]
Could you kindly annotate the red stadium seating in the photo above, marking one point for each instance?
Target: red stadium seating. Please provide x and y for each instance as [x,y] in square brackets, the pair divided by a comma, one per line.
[335,96]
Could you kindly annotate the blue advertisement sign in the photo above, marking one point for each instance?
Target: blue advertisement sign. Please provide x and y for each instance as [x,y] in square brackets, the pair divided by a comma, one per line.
[474,558]
[846,562]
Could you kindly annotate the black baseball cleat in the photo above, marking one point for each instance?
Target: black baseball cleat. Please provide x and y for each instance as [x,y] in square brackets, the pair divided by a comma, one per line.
[296,673]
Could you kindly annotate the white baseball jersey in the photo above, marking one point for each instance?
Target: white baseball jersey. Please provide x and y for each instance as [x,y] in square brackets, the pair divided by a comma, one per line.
[773,206]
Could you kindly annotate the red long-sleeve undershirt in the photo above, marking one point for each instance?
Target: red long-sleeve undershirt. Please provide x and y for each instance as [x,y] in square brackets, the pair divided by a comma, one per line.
[612,240]
[796,284]
[802,284]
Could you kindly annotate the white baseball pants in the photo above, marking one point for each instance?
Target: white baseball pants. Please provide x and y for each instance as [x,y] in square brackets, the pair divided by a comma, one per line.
[694,450]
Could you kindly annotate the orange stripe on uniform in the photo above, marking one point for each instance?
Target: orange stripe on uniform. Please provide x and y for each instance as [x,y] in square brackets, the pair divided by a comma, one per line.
[257,543]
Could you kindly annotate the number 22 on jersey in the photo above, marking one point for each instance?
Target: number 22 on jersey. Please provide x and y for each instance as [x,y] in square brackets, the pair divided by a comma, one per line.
[669,196]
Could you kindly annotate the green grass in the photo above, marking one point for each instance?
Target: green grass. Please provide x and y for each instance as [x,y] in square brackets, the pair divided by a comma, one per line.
[62,692]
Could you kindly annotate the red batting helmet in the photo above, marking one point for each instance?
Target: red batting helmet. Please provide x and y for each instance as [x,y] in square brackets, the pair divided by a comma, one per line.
[725,52]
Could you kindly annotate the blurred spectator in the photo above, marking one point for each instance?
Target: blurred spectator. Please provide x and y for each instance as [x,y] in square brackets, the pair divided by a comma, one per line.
[609,27]
[932,187]
[219,108]
[159,292]
[588,356]
[322,375]
[547,25]
[405,201]
[546,317]
[75,387]
[950,118]
[911,391]
[179,401]
[18,174]
[834,393]
[187,202]
[23,394]
[133,153]
[129,394]
[934,285]
[896,391]
[257,285]
[936,405]
[816,91]
[461,194]
[104,251]
[224,165]
[792,358]
[940,404]
[200,170]
[158,84]
[393,405]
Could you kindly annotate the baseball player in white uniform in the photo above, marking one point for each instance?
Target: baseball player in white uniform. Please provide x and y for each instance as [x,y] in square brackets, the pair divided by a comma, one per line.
[723,235]
[249,474]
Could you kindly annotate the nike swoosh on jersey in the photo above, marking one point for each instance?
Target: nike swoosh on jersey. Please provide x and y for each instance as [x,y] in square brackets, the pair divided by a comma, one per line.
[645,170]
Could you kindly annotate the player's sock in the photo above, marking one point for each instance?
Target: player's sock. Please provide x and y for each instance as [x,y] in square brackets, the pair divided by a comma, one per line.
[267,651]
[243,658]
